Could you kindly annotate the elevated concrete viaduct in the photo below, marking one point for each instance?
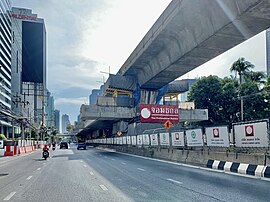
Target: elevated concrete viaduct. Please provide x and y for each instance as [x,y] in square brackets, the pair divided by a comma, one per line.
[190,33]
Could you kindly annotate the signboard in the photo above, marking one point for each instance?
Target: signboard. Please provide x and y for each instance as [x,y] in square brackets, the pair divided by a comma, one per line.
[217,136]
[139,140]
[194,138]
[251,135]
[133,140]
[158,113]
[178,139]
[124,140]
[168,124]
[129,140]
[146,140]
[164,139]
[1,144]
[154,139]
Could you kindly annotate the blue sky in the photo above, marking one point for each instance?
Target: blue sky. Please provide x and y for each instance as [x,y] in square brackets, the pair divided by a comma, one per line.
[85,37]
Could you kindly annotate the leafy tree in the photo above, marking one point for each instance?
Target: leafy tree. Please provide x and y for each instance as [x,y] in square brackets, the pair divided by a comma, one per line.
[69,127]
[3,137]
[258,77]
[207,94]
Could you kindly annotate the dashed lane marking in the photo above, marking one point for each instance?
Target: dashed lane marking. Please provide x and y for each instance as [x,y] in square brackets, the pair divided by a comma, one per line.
[38,168]
[140,169]
[91,173]
[85,166]
[103,187]
[9,196]
[175,181]
[113,159]
[29,177]
[123,163]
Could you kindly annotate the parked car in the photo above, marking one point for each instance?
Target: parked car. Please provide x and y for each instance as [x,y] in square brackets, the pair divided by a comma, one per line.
[81,145]
[63,145]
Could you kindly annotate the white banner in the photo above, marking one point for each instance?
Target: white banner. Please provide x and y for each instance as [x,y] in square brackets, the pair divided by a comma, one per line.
[154,139]
[178,139]
[124,140]
[120,140]
[115,140]
[251,135]
[128,140]
[1,144]
[139,140]
[134,140]
[146,140]
[217,136]
[164,139]
[194,138]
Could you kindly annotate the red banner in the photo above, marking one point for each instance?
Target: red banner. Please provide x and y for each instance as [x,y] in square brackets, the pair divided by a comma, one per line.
[159,113]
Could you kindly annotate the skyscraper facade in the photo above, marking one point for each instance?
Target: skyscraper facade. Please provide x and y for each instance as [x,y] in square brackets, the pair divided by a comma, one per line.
[30,64]
[49,108]
[267,37]
[65,123]
[5,62]
[57,119]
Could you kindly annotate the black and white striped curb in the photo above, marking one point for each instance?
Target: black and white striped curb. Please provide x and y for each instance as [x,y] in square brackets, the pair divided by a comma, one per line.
[243,168]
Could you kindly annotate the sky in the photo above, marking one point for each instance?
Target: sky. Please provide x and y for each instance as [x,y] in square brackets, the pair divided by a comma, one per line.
[85,37]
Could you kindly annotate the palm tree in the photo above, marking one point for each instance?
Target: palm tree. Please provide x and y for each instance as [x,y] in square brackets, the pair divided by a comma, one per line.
[257,77]
[241,66]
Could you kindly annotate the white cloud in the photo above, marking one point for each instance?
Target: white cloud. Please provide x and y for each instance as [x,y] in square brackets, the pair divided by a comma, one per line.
[75,101]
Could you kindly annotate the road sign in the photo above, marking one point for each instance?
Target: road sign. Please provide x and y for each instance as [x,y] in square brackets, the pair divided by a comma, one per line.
[168,124]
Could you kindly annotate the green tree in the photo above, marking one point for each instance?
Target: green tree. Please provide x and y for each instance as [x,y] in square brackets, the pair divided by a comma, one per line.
[207,94]
[3,137]
[258,77]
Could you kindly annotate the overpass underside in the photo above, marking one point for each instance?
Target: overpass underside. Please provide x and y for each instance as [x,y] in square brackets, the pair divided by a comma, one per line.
[190,33]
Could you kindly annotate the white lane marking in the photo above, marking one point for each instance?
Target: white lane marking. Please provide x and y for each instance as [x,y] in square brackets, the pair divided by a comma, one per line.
[38,168]
[85,166]
[175,181]
[9,196]
[123,163]
[44,163]
[91,173]
[140,169]
[29,177]
[185,165]
[81,161]
[103,187]
[113,159]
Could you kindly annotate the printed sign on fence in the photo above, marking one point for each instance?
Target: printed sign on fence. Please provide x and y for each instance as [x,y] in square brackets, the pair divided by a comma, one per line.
[134,140]
[178,139]
[128,140]
[251,134]
[154,139]
[217,136]
[139,140]
[194,138]
[164,139]
[124,140]
[1,144]
[146,140]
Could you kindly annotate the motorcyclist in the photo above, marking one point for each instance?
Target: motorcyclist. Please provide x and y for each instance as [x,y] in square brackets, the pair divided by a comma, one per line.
[45,148]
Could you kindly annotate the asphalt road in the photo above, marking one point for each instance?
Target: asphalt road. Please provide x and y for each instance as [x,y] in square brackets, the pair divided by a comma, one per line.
[98,175]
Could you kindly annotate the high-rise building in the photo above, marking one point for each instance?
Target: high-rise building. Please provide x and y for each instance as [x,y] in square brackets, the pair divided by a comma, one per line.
[65,123]
[57,119]
[5,63]
[267,51]
[29,33]
[49,108]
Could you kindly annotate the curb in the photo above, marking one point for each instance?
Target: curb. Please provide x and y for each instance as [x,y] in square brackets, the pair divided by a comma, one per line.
[242,168]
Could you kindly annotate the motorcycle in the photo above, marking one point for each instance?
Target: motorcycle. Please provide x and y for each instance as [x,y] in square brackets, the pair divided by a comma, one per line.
[45,154]
[53,146]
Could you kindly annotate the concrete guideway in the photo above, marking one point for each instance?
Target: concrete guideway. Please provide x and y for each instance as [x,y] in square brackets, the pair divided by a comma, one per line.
[190,33]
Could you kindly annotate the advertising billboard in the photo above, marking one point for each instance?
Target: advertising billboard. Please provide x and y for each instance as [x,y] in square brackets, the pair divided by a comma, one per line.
[217,136]
[158,113]
[251,134]
[194,138]
[178,139]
